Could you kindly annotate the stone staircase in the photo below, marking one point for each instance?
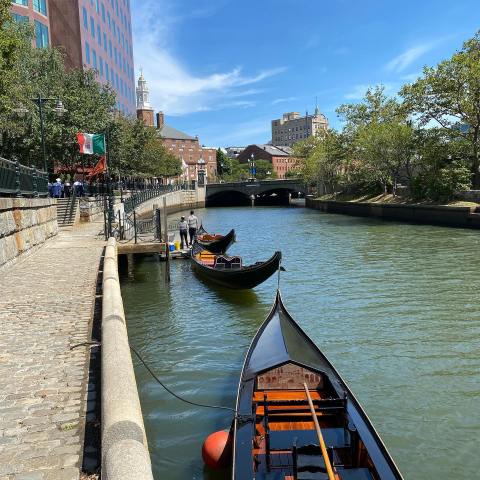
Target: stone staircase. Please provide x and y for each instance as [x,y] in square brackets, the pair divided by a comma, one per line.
[68,211]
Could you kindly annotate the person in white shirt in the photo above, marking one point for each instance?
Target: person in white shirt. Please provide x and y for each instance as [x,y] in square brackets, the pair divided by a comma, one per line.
[192,227]
[183,226]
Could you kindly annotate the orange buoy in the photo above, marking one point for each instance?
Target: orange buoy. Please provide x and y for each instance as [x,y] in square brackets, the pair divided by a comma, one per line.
[217,449]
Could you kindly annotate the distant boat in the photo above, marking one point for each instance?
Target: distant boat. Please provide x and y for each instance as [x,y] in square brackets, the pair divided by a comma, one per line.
[287,385]
[214,242]
[229,271]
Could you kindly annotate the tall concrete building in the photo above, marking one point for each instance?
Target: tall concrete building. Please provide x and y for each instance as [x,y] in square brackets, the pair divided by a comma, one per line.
[292,127]
[93,34]
[37,13]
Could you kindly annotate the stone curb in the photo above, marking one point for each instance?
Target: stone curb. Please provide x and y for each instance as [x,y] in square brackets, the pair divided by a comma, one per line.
[124,442]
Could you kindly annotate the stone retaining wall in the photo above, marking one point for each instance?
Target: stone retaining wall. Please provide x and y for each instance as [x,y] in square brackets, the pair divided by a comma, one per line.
[24,224]
[124,442]
[90,208]
[427,214]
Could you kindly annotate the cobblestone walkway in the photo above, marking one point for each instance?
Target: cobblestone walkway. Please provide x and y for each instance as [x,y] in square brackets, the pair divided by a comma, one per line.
[46,306]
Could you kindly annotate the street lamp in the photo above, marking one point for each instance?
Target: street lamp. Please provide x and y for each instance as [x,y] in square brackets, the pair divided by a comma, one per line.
[251,162]
[201,172]
[59,110]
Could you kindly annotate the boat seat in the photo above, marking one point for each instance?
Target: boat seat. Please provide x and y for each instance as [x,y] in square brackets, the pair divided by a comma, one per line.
[354,473]
[225,262]
[334,437]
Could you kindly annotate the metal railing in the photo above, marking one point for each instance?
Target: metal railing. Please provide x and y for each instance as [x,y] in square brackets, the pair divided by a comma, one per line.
[142,196]
[17,180]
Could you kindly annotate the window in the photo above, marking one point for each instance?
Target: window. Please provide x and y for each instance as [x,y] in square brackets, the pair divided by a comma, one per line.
[41,35]
[103,12]
[99,35]
[94,58]
[109,21]
[115,55]
[114,25]
[97,6]
[87,52]
[107,76]
[92,27]
[23,3]
[19,18]
[110,48]
[101,66]
[104,41]
[40,6]
[85,18]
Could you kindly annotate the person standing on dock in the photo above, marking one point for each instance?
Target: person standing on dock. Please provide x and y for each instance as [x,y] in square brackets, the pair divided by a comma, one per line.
[183,226]
[192,226]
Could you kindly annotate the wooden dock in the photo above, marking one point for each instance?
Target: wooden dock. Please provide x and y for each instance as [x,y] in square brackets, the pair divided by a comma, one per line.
[151,247]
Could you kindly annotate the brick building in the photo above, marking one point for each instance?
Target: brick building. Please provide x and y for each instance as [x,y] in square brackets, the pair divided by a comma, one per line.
[35,12]
[280,157]
[92,33]
[194,156]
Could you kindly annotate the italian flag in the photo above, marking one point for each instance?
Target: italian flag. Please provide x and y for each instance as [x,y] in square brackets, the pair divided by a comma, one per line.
[91,143]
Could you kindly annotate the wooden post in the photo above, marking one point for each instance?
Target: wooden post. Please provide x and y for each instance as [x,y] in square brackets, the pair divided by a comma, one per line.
[323,448]
[165,237]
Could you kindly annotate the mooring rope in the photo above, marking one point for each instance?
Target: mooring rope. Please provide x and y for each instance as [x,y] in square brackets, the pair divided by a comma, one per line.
[173,393]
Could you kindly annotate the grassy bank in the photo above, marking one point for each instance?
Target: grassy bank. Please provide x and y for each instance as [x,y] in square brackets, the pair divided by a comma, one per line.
[390,199]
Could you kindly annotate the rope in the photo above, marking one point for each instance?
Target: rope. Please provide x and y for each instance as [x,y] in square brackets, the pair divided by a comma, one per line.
[173,393]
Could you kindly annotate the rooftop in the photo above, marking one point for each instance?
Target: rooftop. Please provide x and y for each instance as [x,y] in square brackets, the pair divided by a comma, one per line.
[169,132]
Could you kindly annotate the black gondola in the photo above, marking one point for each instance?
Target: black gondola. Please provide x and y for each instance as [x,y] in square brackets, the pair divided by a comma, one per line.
[215,243]
[285,381]
[229,271]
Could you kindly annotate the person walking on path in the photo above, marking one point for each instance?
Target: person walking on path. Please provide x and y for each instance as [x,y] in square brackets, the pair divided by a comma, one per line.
[57,189]
[183,226]
[192,226]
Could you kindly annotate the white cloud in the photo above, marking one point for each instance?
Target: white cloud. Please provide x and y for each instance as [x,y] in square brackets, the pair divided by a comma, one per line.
[405,59]
[283,100]
[174,88]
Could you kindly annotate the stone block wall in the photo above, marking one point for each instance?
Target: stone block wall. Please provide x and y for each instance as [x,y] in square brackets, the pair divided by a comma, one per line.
[24,224]
[90,209]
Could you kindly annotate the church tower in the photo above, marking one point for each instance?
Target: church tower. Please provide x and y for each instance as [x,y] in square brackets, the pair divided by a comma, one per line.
[144,109]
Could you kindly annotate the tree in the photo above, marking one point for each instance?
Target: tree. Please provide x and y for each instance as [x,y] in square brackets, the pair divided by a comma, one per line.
[222,161]
[263,169]
[449,96]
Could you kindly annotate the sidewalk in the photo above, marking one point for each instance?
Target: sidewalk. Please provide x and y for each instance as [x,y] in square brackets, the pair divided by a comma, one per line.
[46,306]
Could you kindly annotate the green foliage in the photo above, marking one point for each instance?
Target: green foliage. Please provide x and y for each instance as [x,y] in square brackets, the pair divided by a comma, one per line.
[449,96]
[134,149]
[222,162]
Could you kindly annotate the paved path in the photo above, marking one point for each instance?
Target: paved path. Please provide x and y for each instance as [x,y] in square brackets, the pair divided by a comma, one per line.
[46,306]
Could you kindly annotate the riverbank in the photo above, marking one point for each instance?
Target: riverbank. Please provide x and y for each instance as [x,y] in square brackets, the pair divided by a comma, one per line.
[455,214]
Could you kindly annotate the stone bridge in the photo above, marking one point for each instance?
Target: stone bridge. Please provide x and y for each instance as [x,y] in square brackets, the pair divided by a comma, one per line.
[265,192]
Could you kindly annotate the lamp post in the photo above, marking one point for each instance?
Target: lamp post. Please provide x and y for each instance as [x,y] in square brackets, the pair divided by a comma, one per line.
[201,172]
[59,110]
[251,162]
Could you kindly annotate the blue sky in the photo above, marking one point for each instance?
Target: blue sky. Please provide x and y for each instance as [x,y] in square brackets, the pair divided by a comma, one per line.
[223,69]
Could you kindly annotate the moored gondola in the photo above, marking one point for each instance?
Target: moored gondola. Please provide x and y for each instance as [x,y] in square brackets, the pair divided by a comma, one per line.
[229,271]
[213,242]
[296,418]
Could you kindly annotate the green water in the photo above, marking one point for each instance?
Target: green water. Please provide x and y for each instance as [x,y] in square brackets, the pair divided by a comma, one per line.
[394,307]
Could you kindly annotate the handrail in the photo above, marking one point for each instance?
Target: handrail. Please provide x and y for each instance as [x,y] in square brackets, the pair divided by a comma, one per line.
[144,195]
[18,180]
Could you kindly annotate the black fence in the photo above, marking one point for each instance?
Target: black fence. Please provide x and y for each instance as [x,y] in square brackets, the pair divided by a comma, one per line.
[143,195]
[17,180]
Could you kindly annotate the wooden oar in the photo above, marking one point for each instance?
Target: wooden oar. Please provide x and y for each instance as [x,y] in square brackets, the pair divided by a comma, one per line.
[323,448]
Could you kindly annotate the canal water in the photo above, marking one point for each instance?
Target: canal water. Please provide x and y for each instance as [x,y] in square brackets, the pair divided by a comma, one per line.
[394,306]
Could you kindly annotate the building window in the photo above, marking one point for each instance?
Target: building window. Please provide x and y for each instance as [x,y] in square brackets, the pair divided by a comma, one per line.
[101,66]
[105,41]
[92,27]
[85,18]
[109,21]
[110,48]
[94,58]
[107,76]
[99,36]
[103,12]
[19,18]
[87,52]
[23,3]
[41,35]
[40,6]
[97,6]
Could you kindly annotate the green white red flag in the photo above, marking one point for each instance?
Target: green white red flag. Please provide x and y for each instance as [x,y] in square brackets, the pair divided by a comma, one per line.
[91,143]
